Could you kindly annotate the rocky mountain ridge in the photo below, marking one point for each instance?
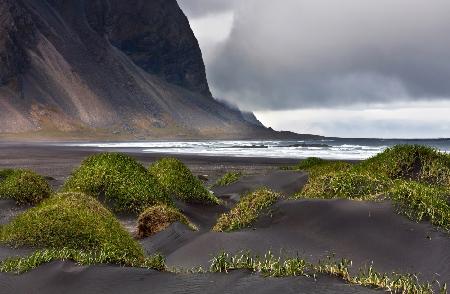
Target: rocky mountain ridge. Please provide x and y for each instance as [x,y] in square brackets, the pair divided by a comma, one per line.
[121,68]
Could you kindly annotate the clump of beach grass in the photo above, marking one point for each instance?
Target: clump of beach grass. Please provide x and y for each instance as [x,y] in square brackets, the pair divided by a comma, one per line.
[71,226]
[270,266]
[348,185]
[178,181]
[23,186]
[421,202]
[157,218]
[246,211]
[228,179]
[119,180]
[19,265]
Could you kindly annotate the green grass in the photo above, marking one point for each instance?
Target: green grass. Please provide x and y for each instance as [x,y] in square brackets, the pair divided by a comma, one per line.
[228,179]
[72,226]
[314,164]
[178,181]
[271,266]
[19,265]
[422,202]
[4,173]
[72,221]
[157,218]
[416,178]
[329,166]
[307,164]
[348,185]
[119,181]
[23,186]
[411,162]
[246,211]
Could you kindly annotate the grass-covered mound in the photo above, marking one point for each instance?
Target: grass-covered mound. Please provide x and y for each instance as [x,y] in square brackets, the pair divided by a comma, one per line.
[246,211]
[23,186]
[411,162]
[71,226]
[415,178]
[178,181]
[119,180]
[157,218]
[376,175]
[73,221]
[228,179]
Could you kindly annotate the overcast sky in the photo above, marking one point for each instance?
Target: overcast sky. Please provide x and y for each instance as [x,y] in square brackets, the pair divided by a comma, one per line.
[352,68]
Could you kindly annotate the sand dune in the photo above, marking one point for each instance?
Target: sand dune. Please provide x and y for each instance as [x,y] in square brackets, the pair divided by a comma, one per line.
[360,231]
[65,277]
[364,232]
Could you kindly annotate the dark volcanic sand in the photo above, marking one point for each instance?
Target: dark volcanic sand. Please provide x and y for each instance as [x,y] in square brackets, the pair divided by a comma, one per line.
[65,277]
[360,231]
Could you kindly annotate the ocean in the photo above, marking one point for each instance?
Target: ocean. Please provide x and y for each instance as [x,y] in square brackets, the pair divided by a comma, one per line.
[345,149]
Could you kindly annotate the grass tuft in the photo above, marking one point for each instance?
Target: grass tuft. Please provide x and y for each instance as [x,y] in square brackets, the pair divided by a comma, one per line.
[271,266]
[23,186]
[118,180]
[228,179]
[246,211]
[178,181]
[19,265]
[157,218]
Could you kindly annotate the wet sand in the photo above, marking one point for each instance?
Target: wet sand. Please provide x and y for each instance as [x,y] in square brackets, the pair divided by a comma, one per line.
[364,232]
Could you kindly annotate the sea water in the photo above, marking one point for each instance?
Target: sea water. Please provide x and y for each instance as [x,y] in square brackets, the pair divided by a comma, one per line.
[349,149]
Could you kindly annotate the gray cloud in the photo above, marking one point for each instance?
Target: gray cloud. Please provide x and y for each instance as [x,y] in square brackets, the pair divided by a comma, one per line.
[320,53]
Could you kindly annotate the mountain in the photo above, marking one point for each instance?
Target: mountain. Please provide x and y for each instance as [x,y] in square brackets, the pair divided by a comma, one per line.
[102,68]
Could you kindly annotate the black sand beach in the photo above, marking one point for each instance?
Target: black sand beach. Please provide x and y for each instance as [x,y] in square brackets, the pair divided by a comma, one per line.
[363,232]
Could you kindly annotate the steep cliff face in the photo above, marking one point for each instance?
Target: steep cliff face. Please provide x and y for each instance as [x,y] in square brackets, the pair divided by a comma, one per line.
[110,66]
[16,34]
[162,44]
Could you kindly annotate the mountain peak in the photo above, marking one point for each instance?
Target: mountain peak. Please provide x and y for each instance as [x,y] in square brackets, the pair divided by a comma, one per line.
[129,67]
